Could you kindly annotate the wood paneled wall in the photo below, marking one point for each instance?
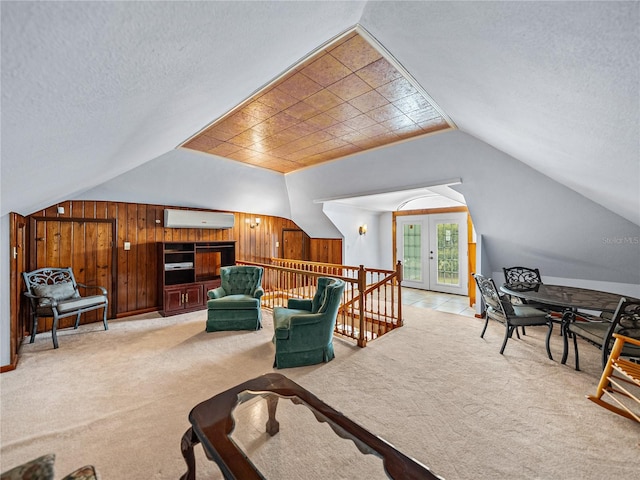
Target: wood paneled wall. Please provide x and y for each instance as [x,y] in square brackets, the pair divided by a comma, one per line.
[326,250]
[135,270]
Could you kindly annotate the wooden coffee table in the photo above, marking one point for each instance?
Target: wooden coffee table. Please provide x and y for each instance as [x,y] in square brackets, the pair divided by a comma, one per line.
[216,424]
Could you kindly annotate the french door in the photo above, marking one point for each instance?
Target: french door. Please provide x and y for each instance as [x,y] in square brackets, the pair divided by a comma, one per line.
[433,251]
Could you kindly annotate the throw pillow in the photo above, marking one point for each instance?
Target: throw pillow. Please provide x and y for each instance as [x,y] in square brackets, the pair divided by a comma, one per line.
[508,307]
[630,325]
[58,291]
[39,469]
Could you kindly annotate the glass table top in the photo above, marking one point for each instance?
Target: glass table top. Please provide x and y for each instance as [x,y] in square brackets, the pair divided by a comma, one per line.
[271,427]
[304,447]
[565,296]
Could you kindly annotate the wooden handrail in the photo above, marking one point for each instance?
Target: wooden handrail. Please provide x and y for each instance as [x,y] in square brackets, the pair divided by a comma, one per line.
[371,304]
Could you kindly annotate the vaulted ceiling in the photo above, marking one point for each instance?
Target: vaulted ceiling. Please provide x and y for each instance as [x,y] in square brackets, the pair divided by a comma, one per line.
[93,90]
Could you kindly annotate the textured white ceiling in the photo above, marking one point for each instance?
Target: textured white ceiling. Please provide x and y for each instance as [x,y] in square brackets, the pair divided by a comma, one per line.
[91,90]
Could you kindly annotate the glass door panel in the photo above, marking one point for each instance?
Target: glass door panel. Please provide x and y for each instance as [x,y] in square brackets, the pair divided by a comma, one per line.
[447,254]
[412,236]
[448,267]
[412,240]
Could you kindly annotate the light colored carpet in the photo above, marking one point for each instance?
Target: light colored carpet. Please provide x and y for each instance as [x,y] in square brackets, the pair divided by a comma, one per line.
[119,399]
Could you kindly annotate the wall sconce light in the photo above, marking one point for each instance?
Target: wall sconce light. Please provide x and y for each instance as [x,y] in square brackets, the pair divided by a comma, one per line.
[256,223]
[362,229]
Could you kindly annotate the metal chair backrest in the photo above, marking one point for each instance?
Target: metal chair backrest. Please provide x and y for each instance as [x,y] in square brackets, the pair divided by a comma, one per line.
[522,275]
[490,294]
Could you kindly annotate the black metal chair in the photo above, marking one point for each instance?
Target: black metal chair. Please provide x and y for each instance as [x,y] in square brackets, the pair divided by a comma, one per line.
[625,321]
[54,292]
[516,275]
[512,316]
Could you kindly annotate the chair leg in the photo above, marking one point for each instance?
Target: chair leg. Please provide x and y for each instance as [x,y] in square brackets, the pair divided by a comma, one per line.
[605,355]
[575,349]
[104,318]
[549,339]
[564,330]
[507,334]
[54,330]
[34,329]
[484,329]
[77,321]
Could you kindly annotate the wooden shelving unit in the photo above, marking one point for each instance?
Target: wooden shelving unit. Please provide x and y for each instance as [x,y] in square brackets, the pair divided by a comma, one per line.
[188,270]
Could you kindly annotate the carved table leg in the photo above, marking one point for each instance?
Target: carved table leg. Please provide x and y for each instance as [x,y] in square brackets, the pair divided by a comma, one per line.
[273,426]
[189,439]
[567,317]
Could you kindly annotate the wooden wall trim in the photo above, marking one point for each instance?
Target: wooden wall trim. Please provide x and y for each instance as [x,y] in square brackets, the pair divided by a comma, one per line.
[11,366]
[430,211]
[471,293]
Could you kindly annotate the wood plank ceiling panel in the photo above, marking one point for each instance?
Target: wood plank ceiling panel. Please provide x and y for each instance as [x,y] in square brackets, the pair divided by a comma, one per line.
[347,97]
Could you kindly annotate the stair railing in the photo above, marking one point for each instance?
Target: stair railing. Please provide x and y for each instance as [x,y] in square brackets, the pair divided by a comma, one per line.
[372,298]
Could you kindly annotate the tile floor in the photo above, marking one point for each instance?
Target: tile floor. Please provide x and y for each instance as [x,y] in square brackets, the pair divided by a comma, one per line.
[442,302]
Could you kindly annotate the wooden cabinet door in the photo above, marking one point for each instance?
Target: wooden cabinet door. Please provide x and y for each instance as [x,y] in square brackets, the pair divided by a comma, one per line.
[193,296]
[173,299]
[294,244]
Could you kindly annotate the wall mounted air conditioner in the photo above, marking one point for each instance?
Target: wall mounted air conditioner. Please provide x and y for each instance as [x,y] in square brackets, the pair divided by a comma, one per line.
[197,219]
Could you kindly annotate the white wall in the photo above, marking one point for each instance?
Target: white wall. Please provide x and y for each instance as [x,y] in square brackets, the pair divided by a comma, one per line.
[524,216]
[360,249]
[191,179]
[385,237]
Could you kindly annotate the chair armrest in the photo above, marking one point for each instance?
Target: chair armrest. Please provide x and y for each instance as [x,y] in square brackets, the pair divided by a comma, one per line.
[258,292]
[216,293]
[300,304]
[634,341]
[305,319]
[102,289]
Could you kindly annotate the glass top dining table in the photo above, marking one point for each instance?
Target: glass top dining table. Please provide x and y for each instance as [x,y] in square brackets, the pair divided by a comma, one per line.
[564,296]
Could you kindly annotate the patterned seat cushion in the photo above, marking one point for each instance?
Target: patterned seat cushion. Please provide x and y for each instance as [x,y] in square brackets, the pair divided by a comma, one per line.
[40,468]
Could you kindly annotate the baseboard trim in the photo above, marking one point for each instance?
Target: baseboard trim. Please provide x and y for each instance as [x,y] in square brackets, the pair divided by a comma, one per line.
[137,312]
[10,367]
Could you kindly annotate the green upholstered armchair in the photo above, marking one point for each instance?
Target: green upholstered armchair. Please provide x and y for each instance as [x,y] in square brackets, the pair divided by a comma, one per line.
[304,330]
[235,304]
